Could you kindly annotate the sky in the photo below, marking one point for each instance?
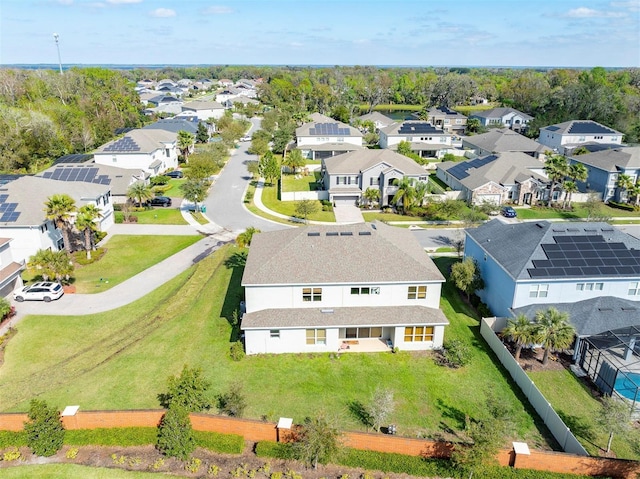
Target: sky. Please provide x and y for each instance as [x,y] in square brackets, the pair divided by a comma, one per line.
[572,33]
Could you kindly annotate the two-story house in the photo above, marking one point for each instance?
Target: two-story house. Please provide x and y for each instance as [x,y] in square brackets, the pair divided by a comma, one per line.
[448,120]
[426,140]
[498,178]
[503,117]
[502,140]
[364,287]
[564,137]
[378,119]
[150,150]
[605,167]
[346,177]
[323,137]
[204,110]
[10,269]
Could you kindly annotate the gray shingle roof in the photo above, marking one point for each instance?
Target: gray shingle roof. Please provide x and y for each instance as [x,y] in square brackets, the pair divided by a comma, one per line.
[383,254]
[361,160]
[516,246]
[611,160]
[310,129]
[593,316]
[202,105]
[148,141]
[502,140]
[577,127]
[406,128]
[376,116]
[173,125]
[341,317]
[502,168]
[119,179]
[499,113]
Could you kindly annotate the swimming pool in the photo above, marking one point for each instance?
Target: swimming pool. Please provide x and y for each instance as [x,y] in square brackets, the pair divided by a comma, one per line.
[627,385]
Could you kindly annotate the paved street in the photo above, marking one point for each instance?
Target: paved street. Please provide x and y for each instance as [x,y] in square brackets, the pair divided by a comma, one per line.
[438,237]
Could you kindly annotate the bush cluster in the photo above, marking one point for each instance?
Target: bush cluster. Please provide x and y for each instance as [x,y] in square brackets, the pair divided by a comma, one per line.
[621,206]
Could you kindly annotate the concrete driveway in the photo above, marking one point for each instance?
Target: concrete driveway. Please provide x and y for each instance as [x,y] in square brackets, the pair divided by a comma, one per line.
[348,214]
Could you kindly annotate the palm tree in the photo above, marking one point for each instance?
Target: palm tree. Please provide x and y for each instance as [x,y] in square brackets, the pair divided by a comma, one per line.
[244,239]
[625,183]
[553,331]
[634,192]
[185,142]
[556,168]
[60,209]
[406,193]
[569,187]
[139,191]
[40,262]
[422,190]
[371,195]
[520,331]
[294,160]
[52,264]
[86,223]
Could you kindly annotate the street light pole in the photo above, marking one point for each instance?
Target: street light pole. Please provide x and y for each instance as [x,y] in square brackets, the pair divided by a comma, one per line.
[55,37]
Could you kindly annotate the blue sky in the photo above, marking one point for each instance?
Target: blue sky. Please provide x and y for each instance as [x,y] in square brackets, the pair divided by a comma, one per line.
[327,32]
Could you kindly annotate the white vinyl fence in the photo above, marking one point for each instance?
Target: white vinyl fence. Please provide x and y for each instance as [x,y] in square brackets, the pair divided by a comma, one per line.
[304,195]
[558,428]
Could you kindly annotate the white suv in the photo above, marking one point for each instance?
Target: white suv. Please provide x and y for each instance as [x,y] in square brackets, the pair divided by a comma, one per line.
[44,291]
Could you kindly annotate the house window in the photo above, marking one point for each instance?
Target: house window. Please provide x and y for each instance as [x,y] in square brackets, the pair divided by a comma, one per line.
[443,139]
[458,122]
[418,334]
[417,292]
[614,138]
[274,333]
[366,290]
[340,139]
[447,121]
[538,290]
[317,336]
[581,138]
[311,294]
[114,159]
[374,181]
[589,286]
[634,289]
[167,152]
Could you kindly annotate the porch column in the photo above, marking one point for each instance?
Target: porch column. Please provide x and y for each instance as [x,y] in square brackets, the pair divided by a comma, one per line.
[576,349]
[629,351]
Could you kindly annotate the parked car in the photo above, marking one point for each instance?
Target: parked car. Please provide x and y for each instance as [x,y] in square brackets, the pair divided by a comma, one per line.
[160,201]
[44,291]
[508,212]
[245,138]
[174,174]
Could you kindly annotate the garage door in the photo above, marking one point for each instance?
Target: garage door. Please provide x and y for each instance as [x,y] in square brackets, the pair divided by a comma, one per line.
[495,199]
[345,200]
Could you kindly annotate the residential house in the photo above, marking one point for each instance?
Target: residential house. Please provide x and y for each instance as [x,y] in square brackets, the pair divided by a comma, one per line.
[364,287]
[225,82]
[346,177]
[503,117]
[164,104]
[323,137]
[204,109]
[229,93]
[117,179]
[605,167]
[378,119]
[240,100]
[23,218]
[446,119]
[10,269]
[542,263]
[499,178]
[426,140]
[150,150]
[564,137]
[502,140]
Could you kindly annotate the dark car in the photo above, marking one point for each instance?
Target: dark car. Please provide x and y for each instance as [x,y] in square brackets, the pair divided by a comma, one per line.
[508,212]
[160,201]
[175,174]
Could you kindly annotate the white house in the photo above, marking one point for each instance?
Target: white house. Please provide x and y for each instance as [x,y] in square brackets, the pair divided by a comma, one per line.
[566,136]
[503,117]
[378,119]
[502,140]
[150,150]
[365,287]
[22,216]
[426,140]
[324,137]
[10,269]
[204,109]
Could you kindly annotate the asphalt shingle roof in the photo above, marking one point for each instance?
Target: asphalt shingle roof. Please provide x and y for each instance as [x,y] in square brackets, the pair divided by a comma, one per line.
[147,141]
[502,140]
[361,160]
[362,253]
[581,127]
[611,160]
[499,113]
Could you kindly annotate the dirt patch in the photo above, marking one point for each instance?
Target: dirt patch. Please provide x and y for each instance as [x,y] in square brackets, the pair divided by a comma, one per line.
[147,458]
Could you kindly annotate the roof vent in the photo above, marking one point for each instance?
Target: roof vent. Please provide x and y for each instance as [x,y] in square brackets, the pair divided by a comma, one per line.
[539,225]
[326,311]
[374,227]
[628,309]
[346,233]
[313,233]
[364,233]
[332,233]
[605,310]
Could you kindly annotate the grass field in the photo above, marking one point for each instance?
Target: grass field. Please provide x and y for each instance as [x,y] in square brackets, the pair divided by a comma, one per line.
[302,183]
[126,256]
[577,212]
[156,216]
[175,191]
[270,200]
[73,471]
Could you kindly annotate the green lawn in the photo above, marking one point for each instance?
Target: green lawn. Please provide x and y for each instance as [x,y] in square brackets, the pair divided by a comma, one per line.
[73,471]
[270,200]
[126,256]
[121,359]
[175,191]
[157,216]
[372,216]
[302,183]
[577,212]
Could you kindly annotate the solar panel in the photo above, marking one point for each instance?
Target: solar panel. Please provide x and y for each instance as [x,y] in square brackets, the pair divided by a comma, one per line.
[47,174]
[64,175]
[3,198]
[538,273]
[588,127]
[590,271]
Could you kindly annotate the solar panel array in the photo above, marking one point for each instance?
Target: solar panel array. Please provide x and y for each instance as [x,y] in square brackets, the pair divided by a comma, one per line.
[552,128]
[329,129]
[585,256]
[418,128]
[73,158]
[123,144]
[461,169]
[8,213]
[87,175]
[586,127]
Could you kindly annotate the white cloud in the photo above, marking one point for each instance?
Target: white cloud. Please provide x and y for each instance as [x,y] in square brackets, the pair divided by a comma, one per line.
[633,5]
[163,13]
[217,10]
[121,2]
[584,12]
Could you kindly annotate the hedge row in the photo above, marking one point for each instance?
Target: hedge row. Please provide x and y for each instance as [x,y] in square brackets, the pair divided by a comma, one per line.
[224,443]
[12,439]
[621,206]
[412,465]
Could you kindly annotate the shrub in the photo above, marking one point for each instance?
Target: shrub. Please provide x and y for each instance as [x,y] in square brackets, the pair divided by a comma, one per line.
[236,351]
[455,354]
[621,206]
[72,453]
[213,470]
[45,432]
[484,311]
[223,443]
[187,390]
[12,438]
[157,464]
[233,402]
[276,450]
[193,465]
[123,436]
[175,435]
[159,180]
